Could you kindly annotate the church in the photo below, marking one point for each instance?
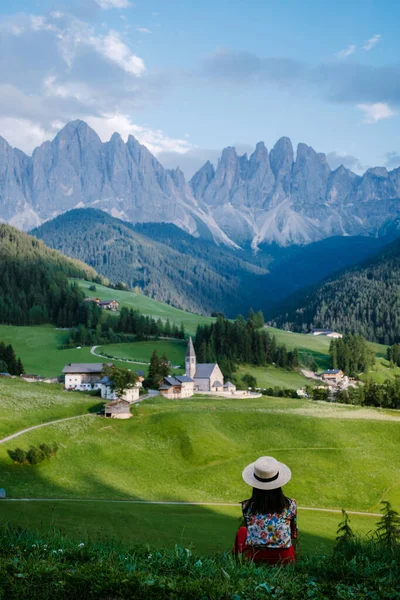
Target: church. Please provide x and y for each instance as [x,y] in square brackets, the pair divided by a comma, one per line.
[207,377]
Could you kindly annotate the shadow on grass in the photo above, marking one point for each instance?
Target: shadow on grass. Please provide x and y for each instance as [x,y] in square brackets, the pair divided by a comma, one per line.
[123,523]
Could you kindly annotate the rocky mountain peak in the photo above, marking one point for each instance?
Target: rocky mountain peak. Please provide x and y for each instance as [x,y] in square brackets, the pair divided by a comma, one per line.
[268,197]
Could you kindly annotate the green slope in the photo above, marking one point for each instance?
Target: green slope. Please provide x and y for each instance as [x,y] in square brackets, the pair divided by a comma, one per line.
[195,450]
[148,306]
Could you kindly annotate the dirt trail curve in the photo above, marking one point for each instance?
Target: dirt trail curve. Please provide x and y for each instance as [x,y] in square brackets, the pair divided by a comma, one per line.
[134,362]
[18,433]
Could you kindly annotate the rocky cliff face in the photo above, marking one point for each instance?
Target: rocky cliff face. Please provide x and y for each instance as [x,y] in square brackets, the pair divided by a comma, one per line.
[267,197]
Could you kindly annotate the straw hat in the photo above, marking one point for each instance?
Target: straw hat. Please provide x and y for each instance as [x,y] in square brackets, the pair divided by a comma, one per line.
[266,473]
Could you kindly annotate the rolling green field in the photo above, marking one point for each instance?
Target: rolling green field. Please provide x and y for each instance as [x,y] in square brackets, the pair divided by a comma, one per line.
[25,404]
[142,351]
[195,450]
[39,349]
[148,306]
[272,376]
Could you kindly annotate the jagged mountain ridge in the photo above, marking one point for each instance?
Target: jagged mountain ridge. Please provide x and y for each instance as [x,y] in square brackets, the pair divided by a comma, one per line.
[265,198]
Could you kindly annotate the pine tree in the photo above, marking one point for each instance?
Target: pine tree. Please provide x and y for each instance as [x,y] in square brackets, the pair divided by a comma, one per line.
[344,532]
[388,527]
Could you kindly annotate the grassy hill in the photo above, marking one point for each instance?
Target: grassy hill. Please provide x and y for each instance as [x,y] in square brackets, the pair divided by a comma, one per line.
[148,306]
[25,404]
[199,276]
[364,300]
[194,451]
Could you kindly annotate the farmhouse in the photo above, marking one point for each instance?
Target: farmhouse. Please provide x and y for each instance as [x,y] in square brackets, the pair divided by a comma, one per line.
[108,392]
[83,376]
[207,377]
[180,386]
[109,305]
[326,332]
[118,409]
[332,375]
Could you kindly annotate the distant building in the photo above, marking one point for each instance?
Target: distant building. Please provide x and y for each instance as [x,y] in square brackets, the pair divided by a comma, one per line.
[83,376]
[327,333]
[108,392]
[207,377]
[118,409]
[109,305]
[332,375]
[179,386]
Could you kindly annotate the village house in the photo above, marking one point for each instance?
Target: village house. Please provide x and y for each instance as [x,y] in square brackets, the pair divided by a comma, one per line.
[108,392]
[109,305]
[332,376]
[105,304]
[326,332]
[118,409]
[83,376]
[207,377]
[179,386]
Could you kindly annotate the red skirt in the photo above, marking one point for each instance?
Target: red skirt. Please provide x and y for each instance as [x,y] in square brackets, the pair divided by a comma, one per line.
[271,556]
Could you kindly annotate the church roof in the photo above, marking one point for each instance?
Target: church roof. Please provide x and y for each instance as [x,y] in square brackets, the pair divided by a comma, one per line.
[204,370]
[190,353]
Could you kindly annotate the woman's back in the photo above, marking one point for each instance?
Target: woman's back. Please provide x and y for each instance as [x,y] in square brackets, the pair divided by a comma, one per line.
[270,529]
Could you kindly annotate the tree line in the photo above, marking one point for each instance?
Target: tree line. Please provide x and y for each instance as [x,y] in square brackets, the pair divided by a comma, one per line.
[385,395]
[239,342]
[351,354]
[98,327]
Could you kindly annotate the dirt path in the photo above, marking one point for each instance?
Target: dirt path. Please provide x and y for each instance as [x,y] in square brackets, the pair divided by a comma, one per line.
[179,503]
[134,362]
[18,433]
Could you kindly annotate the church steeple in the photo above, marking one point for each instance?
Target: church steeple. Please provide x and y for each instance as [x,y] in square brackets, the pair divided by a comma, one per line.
[190,360]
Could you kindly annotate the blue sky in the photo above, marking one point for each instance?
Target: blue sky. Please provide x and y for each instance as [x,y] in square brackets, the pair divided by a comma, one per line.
[189,78]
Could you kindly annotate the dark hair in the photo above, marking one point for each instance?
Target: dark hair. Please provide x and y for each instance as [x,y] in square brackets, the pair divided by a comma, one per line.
[263,502]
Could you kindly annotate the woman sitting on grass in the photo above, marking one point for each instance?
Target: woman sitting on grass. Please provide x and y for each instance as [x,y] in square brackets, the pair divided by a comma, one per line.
[270,518]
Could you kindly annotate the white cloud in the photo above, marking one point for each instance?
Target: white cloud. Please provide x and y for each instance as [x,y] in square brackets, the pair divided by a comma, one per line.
[106,4]
[24,133]
[113,48]
[372,42]
[347,51]
[143,30]
[154,139]
[376,112]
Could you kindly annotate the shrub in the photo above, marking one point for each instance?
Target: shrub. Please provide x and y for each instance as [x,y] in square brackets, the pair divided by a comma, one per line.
[35,455]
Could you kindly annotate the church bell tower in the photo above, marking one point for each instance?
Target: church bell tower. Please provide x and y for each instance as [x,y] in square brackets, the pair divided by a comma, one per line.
[190,360]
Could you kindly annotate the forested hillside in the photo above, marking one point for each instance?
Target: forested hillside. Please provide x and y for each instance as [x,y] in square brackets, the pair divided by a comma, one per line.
[197,276]
[34,285]
[364,300]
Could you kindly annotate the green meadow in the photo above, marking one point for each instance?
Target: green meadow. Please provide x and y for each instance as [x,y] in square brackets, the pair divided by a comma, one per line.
[141,351]
[25,404]
[194,451]
[147,306]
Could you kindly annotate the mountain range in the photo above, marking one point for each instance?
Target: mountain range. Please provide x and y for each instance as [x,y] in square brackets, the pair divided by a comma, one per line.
[269,197]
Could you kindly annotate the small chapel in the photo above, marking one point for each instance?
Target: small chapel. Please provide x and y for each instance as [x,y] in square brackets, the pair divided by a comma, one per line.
[199,377]
[207,377]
